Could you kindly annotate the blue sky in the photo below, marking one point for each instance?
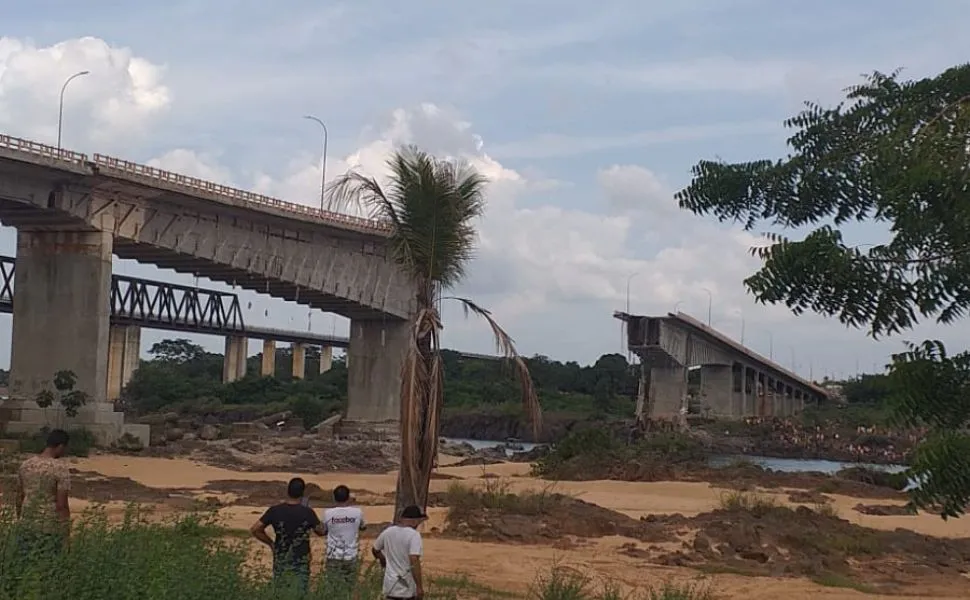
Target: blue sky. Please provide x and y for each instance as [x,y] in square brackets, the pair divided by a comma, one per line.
[588,116]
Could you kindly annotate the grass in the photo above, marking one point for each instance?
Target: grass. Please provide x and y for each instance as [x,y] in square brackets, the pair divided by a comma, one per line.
[569,584]
[754,503]
[836,580]
[496,494]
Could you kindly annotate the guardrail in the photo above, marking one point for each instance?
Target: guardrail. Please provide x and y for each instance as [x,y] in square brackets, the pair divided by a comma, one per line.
[37,149]
[126,169]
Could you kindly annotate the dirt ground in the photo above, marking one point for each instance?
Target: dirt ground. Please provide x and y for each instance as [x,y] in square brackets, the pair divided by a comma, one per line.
[630,533]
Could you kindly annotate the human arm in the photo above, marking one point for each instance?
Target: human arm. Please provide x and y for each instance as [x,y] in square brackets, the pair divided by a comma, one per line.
[258,529]
[415,550]
[61,505]
[378,550]
[317,525]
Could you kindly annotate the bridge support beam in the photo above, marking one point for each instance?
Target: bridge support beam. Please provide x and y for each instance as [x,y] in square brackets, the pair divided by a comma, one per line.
[124,350]
[665,395]
[717,390]
[326,359]
[268,366]
[374,361]
[299,360]
[61,319]
[234,360]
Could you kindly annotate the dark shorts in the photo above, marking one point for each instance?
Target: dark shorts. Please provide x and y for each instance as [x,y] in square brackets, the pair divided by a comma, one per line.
[286,570]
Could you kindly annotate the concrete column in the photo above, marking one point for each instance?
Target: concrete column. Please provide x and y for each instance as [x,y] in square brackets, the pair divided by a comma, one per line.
[299,361]
[642,410]
[234,361]
[326,359]
[62,311]
[665,395]
[268,368]
[741,402]
[374,361]
[717,387]
[124,349]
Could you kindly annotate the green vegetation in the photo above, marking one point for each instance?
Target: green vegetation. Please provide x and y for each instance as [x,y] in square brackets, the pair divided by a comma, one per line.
[601,454]
[191,556]
[182,377]
[80,443]
[569,584]
[895,155]
[756,504]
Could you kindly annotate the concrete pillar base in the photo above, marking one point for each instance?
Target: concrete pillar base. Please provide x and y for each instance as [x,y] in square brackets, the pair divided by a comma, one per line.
[666,394]
[124,349]
[376,354]
[326,359]
[107,424]
[234,361]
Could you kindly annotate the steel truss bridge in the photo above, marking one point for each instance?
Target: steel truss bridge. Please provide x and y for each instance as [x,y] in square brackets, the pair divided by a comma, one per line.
[169,306]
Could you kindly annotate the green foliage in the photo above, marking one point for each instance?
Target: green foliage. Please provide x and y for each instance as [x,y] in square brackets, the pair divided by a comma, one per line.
[598,452]
[568,584]
[80,442]
[182,377]
[896,154]
[64,394]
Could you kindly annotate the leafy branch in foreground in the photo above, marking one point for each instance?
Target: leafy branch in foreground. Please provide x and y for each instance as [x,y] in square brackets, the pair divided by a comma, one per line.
[895,155]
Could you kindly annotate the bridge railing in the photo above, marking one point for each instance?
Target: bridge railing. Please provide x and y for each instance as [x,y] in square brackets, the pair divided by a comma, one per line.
[127,169]
[38,150]
[221,192]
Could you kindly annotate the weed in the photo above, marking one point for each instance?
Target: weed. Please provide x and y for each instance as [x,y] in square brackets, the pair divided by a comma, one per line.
[755,503]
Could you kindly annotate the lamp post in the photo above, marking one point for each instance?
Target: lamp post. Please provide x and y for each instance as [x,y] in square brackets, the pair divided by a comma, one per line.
[710,301]
[628,280]
[60,109]
[323,167]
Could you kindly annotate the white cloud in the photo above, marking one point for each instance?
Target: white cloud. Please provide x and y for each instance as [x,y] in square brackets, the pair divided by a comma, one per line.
[635,189]
[116,100]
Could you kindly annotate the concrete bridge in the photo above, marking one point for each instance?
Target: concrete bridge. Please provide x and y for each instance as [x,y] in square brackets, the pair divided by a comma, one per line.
[73,212]
[735,382]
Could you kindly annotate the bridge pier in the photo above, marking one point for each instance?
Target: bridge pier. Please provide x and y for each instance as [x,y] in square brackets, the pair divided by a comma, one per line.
[374,361]
[716,386]
[665,392]
[299,360]
[61,322]
[268,366]
[326,359]
[124,350]
[234,360]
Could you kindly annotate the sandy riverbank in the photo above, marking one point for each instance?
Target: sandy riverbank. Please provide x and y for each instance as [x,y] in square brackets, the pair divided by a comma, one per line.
[511,567]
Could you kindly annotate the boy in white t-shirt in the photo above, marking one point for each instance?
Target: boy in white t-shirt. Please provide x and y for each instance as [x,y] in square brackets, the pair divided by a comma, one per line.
[343,524]
[399,548]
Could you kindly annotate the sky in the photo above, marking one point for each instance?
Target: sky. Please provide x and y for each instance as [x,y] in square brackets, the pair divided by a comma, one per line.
[585,116]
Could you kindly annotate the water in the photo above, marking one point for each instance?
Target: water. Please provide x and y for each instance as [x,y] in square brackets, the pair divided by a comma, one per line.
[801,465]
[785,465]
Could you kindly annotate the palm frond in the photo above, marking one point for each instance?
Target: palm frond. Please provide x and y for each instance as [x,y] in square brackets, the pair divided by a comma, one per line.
[505,347]
[354,190]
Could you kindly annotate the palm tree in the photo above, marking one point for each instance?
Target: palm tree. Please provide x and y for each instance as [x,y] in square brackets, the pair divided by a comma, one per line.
[431,204]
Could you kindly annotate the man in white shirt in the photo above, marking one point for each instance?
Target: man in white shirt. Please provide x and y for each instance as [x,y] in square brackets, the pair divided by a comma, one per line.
[343,524]
[398,548]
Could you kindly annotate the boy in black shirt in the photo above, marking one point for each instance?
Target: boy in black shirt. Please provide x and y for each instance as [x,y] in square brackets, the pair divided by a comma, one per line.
[292,523]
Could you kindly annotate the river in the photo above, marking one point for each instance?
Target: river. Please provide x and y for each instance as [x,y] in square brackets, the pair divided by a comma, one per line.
[785,465]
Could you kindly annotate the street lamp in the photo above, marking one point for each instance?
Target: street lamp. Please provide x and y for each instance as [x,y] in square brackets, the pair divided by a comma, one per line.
[323,167]
[628,280]
[710,300]
[60,110]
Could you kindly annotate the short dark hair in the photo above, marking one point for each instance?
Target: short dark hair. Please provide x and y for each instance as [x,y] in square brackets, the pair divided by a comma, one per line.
[341,493]
[57,437]
[296,488]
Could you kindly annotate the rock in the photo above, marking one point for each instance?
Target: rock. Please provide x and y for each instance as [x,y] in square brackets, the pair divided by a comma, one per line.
[190,437]
[158,439]
[298,444]
[884,510]
[174,434]
[275,418]
[248,446]
[129,443]
[209,433]
[456,449]
[702,543]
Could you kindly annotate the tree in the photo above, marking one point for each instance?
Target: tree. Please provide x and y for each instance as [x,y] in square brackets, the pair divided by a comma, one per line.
[895,154]
[431,204]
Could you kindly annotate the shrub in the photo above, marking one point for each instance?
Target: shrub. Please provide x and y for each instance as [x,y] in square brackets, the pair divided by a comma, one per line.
[754,503]
[80,443]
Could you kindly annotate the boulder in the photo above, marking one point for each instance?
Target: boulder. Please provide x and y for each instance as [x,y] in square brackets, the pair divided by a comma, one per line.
[209,433]
[174,434]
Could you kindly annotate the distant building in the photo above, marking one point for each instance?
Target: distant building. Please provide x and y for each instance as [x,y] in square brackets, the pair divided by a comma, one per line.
[835,390]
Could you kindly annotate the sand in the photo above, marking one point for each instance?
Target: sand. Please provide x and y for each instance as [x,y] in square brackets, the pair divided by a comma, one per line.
[515,567]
